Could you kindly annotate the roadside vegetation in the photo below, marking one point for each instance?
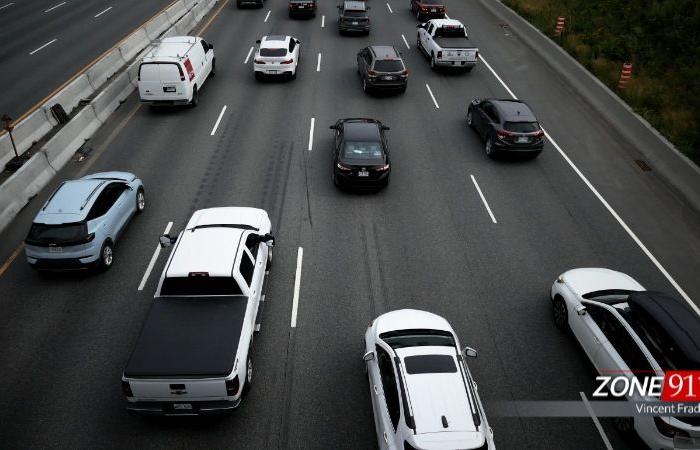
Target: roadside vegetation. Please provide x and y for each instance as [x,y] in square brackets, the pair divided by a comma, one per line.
[660,37]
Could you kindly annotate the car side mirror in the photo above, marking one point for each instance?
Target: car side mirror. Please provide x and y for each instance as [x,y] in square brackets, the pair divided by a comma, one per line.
[420,25]
[470,352]
[369,356]
[269,240]
[385,128]
[476,101]
[211,47]
[298,41]
[581,310]
[333,127]
[258,41]
[166,240]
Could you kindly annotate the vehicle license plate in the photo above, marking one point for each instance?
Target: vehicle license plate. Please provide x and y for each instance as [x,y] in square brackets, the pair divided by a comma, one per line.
[169,89]
[55,249]
[182,406]
[388,78]
[355,23]
[523,139]
[273,72]
[301,6]
[433,10]
[363,173]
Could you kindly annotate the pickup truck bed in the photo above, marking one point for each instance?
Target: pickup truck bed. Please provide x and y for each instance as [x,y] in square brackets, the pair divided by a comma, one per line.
[190,337]
[453,42]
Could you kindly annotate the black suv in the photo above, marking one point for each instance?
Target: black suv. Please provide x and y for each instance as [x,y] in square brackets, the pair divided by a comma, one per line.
[506,125]
[302,8]
[352,17]
[381,67]
[361,154]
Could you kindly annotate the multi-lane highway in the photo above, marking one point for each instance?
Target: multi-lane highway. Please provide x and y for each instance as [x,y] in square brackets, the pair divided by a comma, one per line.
[427,241]
[45,42]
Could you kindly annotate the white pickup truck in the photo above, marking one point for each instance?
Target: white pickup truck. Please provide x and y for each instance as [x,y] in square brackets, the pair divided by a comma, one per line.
[193,356]
[446,44]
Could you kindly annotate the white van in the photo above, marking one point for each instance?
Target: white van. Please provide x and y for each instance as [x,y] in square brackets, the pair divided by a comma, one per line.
[175,70]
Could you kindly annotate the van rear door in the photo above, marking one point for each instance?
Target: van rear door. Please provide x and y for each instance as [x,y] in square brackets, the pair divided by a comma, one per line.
[161,81]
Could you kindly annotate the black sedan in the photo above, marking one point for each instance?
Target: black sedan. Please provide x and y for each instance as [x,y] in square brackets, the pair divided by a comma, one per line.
[506,125]
[361,154]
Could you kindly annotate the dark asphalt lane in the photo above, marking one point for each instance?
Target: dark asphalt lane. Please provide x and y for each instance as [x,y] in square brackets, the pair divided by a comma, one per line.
[425,242]
[24,27]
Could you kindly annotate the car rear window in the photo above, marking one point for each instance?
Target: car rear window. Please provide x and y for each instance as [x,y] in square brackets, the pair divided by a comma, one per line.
[354,13]
[362,150]
[42,234]
[449,31]
[388,65]
[273,52]
[418,338]
[430,364]
[430,2]
[521,127]
[164,72]
[200,285]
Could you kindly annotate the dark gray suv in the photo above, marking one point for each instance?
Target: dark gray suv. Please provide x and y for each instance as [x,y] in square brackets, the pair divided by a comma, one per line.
[353,18]
[381,68]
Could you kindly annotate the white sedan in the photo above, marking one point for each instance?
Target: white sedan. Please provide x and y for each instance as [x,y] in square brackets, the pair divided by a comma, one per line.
[277,55]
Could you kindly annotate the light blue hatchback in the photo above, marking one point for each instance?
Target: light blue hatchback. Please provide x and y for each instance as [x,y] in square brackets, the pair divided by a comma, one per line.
[79,224]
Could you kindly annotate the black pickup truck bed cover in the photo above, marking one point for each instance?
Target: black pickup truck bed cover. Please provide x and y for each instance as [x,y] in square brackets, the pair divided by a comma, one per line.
[454,42]
[189,337]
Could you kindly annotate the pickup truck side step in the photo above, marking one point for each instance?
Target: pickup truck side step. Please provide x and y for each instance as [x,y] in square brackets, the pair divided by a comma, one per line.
[261,305]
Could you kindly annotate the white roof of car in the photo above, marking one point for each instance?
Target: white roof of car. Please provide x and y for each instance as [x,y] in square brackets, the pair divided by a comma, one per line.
[274,41]
[585,280]
[411,319]
[205,247]
[444,22]
[171,47]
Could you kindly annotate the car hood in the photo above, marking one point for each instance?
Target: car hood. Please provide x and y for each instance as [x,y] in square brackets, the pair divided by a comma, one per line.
[583,281]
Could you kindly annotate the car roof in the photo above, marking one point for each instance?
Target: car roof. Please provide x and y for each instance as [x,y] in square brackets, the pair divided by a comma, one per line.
[361,130]
[71,201]
[354,5]
[210,241]
[385,52]
[513,110]
[171,48]
[274,41]
[672,315]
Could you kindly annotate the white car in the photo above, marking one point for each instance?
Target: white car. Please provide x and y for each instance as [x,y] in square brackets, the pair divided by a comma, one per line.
[625,329]
[277,55]
[423,394]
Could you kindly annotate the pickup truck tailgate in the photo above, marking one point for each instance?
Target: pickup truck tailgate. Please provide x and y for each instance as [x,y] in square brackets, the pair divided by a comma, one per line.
[459,54]
[172,389]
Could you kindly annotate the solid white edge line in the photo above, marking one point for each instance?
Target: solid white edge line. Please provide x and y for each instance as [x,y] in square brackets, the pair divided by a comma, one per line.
[9,4]
[405,42]
[596,422]
[390,10]
[311,133]
[102,12]
[55,6]
[154,258]
[267,16]
[432,96]
[607,206]
[43,46]
[248,56]
[297,284]
[216,125]
[323,21]
[318,63]
[483,199]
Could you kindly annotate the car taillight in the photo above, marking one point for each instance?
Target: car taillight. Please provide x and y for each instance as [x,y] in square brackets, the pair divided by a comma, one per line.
[382,168]
[126,389]
[404,74]
[669,430]
[232,386]
[372,73]
[258,61]
[289,61]
[342,167]
[503,134]
[424,8]
[439,55]
[539,134]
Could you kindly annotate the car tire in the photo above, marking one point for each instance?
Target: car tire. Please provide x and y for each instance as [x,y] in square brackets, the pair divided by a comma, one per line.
[106,259]
[432,62]
[402,90]
[470,122]
[417,15]
[195,98]
[294,74]
[213,68]
[488,147]
[468,69]
[336,182]
[559,313]
[258,76]
[140,201]
[268,265]
[365,87]
[248,373]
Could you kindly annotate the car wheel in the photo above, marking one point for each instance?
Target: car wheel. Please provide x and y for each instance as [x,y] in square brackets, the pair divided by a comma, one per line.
[258,76]
[294,74]
[248,373]
[140,201]
[106,256]
[195,98]
[417,15]
[624,425]
[365,87]
[469,118]
[268,266]
[403,90]
[336,182]
[490,151]
[432,62]
[419,46]
[213,68]
[559,313]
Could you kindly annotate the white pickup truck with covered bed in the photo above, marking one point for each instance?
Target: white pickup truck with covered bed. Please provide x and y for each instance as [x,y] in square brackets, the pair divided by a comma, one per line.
[446,44]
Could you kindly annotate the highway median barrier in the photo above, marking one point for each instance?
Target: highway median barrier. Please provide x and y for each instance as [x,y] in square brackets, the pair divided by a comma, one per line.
[105,68]
[70,96]
[61,147]
[132,45]
[157,26]
[176,11]
[26,133]
[109,99]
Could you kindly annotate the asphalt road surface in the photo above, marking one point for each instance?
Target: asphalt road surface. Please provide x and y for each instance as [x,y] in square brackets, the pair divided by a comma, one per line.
[427,242]
[45,42]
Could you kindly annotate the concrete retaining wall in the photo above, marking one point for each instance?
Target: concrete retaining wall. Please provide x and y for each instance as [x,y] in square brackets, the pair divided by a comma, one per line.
[30,130]
[104,69]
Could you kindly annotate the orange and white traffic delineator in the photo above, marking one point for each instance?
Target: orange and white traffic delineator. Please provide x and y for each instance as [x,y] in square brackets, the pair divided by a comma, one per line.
[559,28]
[625,75]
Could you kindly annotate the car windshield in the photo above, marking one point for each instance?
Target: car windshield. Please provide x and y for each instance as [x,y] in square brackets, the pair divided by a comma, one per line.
[200,286]
[273,52]
[42,234]
[388,65]
[354,13]
[449,31]
[418,364]
[362,150]
[521,127]
[418,338]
